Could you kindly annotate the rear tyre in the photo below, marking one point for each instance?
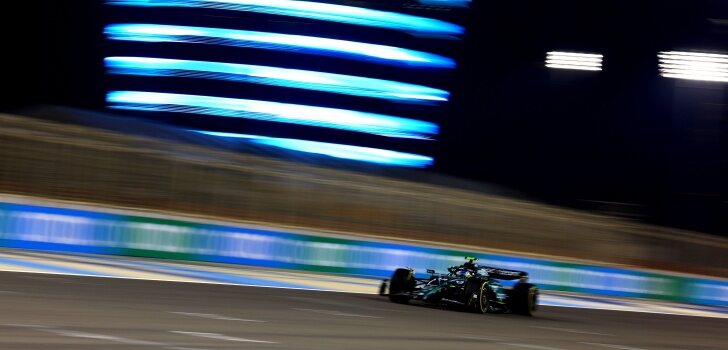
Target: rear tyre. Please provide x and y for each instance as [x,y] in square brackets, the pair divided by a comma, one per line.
[476,296]
[524,299]
[402,281]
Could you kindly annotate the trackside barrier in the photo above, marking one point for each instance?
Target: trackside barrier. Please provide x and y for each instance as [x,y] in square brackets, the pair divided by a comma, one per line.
[91,231]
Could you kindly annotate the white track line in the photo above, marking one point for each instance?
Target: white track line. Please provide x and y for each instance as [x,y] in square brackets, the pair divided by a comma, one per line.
[468,337]
[570,330]
[334,313]
[222,337]
[24,325]
[529,346]
[213,316]
[86,335]
[76,334]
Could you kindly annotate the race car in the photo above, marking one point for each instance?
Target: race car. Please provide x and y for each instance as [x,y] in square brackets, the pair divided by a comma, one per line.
[468,286]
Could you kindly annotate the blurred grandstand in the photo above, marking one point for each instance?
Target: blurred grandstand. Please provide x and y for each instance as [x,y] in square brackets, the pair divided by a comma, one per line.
[102,159]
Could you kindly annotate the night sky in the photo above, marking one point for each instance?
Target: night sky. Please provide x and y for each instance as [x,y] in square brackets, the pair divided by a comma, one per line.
[624,139]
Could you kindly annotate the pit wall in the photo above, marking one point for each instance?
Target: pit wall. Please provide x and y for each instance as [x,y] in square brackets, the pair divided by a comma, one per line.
[88,230]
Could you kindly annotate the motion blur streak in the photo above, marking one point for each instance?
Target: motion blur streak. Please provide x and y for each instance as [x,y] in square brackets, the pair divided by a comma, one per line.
[377,124]
[314,10]
[694,66]
[293,78]
[278,42]
[572,60]
[364,154]
[50,226]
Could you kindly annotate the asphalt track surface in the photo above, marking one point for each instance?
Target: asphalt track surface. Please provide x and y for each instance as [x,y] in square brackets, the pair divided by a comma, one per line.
[40,311]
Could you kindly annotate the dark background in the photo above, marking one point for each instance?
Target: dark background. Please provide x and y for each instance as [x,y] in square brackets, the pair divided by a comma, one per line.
[624,140]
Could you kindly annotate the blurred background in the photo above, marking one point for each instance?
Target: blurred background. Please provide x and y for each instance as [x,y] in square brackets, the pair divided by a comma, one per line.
[467,135]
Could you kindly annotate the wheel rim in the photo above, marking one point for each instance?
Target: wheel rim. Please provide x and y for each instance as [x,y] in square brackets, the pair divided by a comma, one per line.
[483,299]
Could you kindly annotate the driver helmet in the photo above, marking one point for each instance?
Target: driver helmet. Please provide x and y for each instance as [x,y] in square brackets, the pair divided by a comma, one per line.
[464,273]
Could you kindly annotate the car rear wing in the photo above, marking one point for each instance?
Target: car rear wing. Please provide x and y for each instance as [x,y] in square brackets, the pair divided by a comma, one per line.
[504,274]
[435,274]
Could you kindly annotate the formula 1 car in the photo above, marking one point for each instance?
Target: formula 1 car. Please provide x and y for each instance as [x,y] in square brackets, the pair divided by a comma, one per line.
[468,286]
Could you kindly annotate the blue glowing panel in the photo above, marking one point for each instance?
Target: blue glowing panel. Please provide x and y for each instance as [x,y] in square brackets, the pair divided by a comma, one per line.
[278,42]
[364,154]
[293,78]
[314,10]
[446,3]
[371,123]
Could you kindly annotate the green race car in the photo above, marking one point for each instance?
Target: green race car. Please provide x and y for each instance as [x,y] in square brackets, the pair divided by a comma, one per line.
[468,286]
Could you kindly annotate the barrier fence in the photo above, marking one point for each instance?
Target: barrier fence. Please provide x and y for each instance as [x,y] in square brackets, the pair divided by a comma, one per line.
[105,232]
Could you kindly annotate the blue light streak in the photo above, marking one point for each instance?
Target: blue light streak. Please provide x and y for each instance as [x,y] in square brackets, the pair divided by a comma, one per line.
[364,154]
[278,42]
[293,78]
[371,123]
[313,10]
[446,3]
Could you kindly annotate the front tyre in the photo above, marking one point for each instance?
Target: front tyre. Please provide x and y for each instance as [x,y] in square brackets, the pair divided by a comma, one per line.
[524,299]
[476,296]
[402,281]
